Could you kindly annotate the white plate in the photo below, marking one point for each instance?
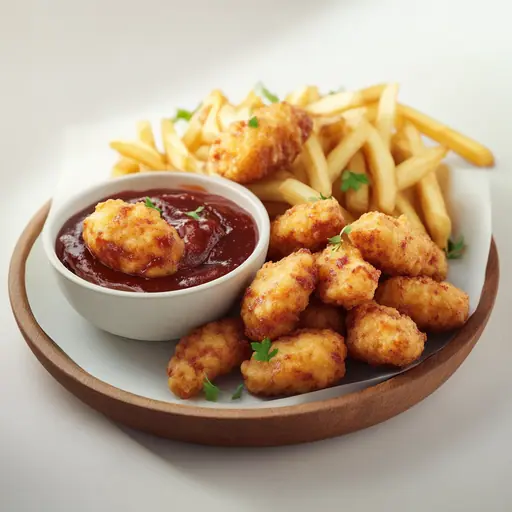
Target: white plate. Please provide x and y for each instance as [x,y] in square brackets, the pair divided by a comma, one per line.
[140,367]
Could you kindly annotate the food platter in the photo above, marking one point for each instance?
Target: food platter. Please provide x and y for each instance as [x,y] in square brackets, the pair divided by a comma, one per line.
[274,272]
[269,426]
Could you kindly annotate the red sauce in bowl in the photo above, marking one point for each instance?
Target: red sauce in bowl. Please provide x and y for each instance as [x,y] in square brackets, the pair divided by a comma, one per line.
[221,240]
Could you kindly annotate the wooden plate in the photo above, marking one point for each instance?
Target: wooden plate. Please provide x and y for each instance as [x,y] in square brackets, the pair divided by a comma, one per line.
[246,427]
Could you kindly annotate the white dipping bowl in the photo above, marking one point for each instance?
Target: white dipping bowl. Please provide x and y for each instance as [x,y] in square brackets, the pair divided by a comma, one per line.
[163,315]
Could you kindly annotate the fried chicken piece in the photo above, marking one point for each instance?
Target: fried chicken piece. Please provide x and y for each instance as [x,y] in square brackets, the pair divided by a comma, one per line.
[208,351]
[307,225]
[279,293]
[271,141]
[306,360]
[344,278]
[396,248]
[132,238]
[432,305]
[322,316]
[380,335]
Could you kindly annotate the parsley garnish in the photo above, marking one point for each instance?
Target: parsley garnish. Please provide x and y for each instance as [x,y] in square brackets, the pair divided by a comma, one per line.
[336,91]
[253,122]
[238,392]
[181,113]
[150,204]
[322,197]
[266,93]
[261,350]
[195,213]
[211,391]
[455,249]
[353,180]
[336,240]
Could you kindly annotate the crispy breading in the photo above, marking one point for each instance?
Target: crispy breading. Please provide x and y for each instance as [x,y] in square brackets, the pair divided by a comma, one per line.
[279,293]
[344,278]
[250,150]
[432,305]
[133,239]
[306,360]
[307,225]
[380,335]
[396,248]
[322,316]
[208,351]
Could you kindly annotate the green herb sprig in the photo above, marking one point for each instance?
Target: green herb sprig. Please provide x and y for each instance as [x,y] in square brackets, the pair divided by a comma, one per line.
[353,180]
[195,214]
[211,391]
[238,392]
[337,240]
[184,114]
[455,249]
[321,198]
[253,122]
[150,204]
[261,350]
[266,93]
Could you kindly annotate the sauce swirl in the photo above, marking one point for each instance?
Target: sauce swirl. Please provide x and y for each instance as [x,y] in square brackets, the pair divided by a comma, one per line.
[221,240]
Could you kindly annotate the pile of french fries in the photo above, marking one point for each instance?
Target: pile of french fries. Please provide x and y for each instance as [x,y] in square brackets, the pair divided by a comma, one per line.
[365,132]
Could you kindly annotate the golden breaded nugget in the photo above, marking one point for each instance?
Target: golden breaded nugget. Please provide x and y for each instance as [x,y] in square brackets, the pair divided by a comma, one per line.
[396,248]
[208,351]
[133,238]
[322,316]
[306,225]
[380,335]
[306,360]
[344,278]
[269,141]
[279,293]
[433,306]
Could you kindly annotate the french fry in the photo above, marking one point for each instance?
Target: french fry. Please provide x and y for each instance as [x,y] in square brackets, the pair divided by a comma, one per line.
[369,111]
[358,201]
[350,144]
[466,147]
[211,128]
[382,172]
[275,208]
[252,101]
[331,134]
[412,170]
[140,152]
[443,174]
[192,136]
[202,152]
[412,138]
[400,149]
[124,166]
[405,207]
[145,134]
[303,96]
[341,101]
[316,166]
[267,190]
[177,153]
[386,113]
[299,169]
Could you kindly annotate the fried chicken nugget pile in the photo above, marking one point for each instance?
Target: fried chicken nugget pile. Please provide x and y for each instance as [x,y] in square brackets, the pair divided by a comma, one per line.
[396,248]
[270,141]
[307,225]
[380,335]
[133,239]
[279,293]
[307,360]
[323,316]
[208,351]
[433,306]
[344,278]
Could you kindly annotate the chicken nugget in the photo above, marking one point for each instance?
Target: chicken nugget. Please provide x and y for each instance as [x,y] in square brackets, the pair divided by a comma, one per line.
[269,141]
[279,293]
[322,316]
[396,248]
[306,360]
[208,351]
[307,225]
[432,305]
[132,238]
[379,335]
[344,278]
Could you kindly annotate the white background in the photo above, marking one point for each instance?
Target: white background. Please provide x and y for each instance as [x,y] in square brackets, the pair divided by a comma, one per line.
[64,62]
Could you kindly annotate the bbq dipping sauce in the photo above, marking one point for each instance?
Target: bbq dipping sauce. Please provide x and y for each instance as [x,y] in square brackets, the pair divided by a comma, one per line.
[218,238]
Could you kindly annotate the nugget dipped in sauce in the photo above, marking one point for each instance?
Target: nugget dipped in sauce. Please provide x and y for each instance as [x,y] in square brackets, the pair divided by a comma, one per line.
[269,141]
[305,360]
[396,248]
[379,335]
[211,350]
[132,238]
[344,277]
[433,306]
[279,293]
[306,225]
